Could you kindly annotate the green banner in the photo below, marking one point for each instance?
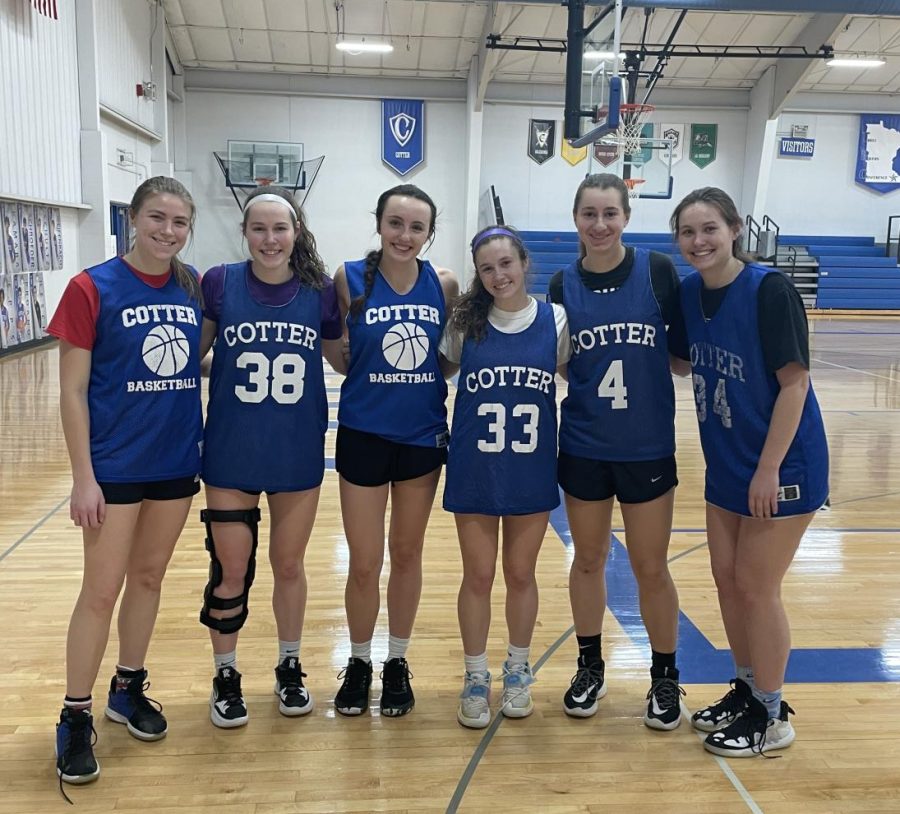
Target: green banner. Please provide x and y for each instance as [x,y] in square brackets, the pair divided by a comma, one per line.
[703,144]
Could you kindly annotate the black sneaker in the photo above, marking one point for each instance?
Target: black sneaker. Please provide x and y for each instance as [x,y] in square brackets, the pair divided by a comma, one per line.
[396,693]
[128,705]
[753,733]
[353,696]
[75,739]
[664,703]
[588,687]
[226,703]
[726,710]
[293,698]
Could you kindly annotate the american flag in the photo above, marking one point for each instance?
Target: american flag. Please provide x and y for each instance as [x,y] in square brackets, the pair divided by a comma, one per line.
[46,7]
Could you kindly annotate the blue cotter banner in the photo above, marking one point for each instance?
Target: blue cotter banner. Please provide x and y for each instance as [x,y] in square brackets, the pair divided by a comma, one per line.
[402,134]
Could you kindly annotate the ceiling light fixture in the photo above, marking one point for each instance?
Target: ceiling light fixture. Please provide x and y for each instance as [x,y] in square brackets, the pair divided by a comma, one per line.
[598,55]
[854,62]
[363,47]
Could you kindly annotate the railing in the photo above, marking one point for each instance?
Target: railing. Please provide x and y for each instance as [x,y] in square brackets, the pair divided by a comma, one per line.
[887,244]
[753,229]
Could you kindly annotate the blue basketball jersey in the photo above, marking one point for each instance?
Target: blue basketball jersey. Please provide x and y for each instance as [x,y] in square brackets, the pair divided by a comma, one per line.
[735,395]
[502,456]
[394,386]
[267,412]
[621,401]
[144,395]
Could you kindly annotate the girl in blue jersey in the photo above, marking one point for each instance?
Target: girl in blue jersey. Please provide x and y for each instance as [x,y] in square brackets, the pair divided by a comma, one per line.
[129,332]
[502,459]
[766,458]
[617,438]
[272,317]
[392,435]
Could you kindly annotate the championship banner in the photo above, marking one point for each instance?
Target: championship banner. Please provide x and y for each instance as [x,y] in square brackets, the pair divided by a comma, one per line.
[541,139]
[574,155]
[402,134]
[606,154]
[673,133]
[878,152]
[703,144]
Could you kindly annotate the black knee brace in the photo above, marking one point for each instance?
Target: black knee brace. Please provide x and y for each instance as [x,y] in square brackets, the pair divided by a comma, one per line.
[232,624]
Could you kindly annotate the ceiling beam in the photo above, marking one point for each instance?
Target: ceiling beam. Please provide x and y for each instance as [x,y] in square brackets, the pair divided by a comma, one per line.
[865,7]
[789,75]
[488,59]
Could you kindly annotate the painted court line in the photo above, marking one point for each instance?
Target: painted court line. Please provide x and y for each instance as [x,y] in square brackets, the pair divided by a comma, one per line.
[33,529]
[855,370]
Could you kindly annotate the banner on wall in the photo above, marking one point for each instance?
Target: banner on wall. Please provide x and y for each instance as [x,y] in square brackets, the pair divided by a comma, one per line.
[42,232]
[56,239]
[703,144]
[878,152]
[606,154]
[645,153]
[573,155]
[541,139]
[796,147]
[674,134]
[8,335]
[22,304]
[9,227]
[38,304]
[402,134]
[27,238]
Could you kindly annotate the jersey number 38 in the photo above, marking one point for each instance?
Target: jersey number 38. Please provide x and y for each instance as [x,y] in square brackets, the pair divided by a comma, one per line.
[282,378]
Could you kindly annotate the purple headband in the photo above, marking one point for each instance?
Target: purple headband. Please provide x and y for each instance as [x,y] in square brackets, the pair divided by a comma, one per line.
[494,231]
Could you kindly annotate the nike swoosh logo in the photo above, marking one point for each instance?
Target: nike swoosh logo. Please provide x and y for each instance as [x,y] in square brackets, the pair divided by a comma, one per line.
[656,708]
[654,480]
[580,699]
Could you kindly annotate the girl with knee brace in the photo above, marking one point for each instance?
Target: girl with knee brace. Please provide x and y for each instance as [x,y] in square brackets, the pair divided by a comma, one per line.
[272,318]
[502,459]
[129,332]
[392,435]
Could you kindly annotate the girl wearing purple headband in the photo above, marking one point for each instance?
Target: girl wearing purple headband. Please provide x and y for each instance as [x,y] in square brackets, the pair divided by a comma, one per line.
[502,459]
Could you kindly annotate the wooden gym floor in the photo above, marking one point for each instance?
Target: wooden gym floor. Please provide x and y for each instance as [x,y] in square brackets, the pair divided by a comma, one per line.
[843,596]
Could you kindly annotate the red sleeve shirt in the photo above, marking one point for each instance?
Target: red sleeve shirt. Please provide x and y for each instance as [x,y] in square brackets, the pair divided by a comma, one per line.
[75,320]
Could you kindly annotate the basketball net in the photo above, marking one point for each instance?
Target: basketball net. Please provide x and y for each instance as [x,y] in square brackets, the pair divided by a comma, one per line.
[631,125]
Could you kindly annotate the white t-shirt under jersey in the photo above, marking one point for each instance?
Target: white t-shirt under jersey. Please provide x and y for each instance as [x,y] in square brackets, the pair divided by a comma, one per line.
[513,322]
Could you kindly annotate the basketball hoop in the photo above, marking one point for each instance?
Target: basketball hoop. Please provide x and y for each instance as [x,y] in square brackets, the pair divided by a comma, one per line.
[631,124]
[634,186]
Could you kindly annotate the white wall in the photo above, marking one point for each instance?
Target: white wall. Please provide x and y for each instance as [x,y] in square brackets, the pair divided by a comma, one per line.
[39,122]
[123,58]
[540,196]
[818,195]
[339,206]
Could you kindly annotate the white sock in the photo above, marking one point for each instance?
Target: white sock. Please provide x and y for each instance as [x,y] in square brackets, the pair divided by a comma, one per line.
[362,650]
[477,664]
[397,648]
[225,660]
[288,650]
[518,655]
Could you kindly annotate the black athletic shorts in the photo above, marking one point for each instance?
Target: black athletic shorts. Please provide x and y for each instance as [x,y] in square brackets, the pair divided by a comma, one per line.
[174,489]
[629,481]
[365,459]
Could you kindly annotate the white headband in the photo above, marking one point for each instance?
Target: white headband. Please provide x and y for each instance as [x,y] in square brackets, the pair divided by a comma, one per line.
[268,197]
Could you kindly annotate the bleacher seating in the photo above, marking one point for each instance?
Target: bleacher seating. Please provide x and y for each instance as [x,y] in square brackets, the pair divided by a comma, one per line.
[852,273]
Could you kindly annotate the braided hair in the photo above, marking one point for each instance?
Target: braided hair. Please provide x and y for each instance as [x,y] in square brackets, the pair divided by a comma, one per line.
[373,258]
[304,262]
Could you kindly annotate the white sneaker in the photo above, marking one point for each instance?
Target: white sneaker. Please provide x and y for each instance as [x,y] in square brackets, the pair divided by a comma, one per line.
[753,733]
[475,701]
[517,681]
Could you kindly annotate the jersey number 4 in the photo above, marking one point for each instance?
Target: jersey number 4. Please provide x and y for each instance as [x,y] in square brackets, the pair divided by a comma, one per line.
[497,427]
[720,401]
[612,386]
[282,379]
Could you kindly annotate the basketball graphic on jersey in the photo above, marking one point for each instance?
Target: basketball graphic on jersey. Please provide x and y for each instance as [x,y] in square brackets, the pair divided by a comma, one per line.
[405,346]
[166,350]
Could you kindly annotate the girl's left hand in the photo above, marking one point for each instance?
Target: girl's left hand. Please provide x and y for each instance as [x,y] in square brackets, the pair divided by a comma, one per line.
[763,494]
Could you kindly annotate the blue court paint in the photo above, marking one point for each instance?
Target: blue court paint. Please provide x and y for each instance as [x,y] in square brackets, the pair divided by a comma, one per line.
[701,663]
